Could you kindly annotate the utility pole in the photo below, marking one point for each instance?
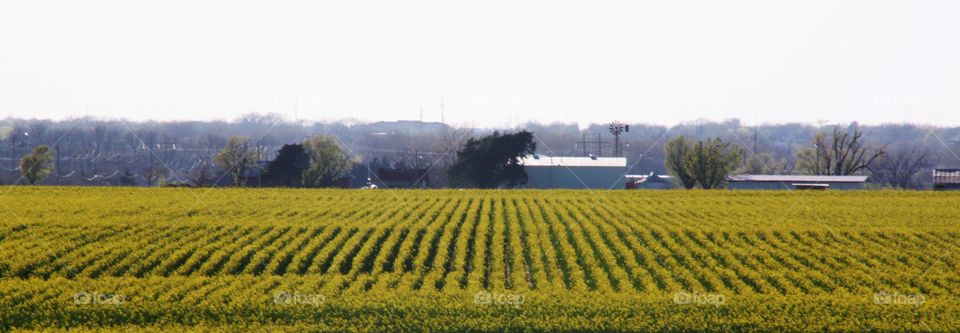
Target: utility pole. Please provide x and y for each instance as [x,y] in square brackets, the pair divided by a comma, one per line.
[296,113]
[56,148]
[296,107]
[261,153]
[599,145]
[816,152]
[150,162]
[13,152]
[160,146]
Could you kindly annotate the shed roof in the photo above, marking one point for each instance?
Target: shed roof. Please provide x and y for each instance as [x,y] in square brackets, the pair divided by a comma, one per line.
[568,161]
[797,179]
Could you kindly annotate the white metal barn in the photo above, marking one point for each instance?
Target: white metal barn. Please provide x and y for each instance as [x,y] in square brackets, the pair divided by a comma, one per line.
[575,172]
[795,182]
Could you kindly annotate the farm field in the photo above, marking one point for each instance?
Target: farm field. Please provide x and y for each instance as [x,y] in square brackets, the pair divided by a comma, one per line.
[459,260]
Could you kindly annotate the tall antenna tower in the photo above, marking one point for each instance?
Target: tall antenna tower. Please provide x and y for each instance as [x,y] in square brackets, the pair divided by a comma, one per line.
[442,119]
[296,113]
[296,107]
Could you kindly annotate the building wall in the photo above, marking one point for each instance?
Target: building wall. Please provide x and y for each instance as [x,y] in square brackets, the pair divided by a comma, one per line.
[946,187]
[655,186]
[788,186]
[563,177]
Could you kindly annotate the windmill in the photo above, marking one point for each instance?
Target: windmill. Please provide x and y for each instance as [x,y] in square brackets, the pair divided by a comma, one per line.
[616,128]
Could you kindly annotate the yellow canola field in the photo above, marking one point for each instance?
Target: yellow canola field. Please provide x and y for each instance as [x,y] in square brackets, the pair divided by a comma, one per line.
[479,260]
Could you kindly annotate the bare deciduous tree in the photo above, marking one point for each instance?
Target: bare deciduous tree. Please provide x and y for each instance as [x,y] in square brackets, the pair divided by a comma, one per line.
[155,174]
[764,164]
[200,173]
[901,167]
[842,154]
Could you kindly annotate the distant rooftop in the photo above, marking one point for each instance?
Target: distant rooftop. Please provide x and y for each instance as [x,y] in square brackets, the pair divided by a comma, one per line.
[401,126]
[797,179]
[946,176]
[650,178]
[570,161]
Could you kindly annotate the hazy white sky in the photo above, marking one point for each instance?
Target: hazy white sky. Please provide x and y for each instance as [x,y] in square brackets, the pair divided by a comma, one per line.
[495,62]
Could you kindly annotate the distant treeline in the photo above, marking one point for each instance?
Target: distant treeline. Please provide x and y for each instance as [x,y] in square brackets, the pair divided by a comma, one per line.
[90,151]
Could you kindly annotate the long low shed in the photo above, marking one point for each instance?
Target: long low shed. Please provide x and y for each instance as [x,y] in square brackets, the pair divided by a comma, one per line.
[795,182]
[946,179]
[574,172]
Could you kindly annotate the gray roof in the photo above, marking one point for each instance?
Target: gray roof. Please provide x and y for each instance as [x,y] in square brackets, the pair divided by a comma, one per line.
[797,179]
[567,161]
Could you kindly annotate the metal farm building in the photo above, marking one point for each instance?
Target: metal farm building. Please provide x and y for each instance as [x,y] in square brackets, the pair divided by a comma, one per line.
[575,172]
[946,179]
[795,182]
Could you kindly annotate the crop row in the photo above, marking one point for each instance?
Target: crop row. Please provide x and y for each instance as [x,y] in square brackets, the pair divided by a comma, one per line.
[497,240]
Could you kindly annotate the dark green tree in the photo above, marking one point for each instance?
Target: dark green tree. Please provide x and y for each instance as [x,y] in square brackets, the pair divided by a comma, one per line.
[493,161]
[288,167]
